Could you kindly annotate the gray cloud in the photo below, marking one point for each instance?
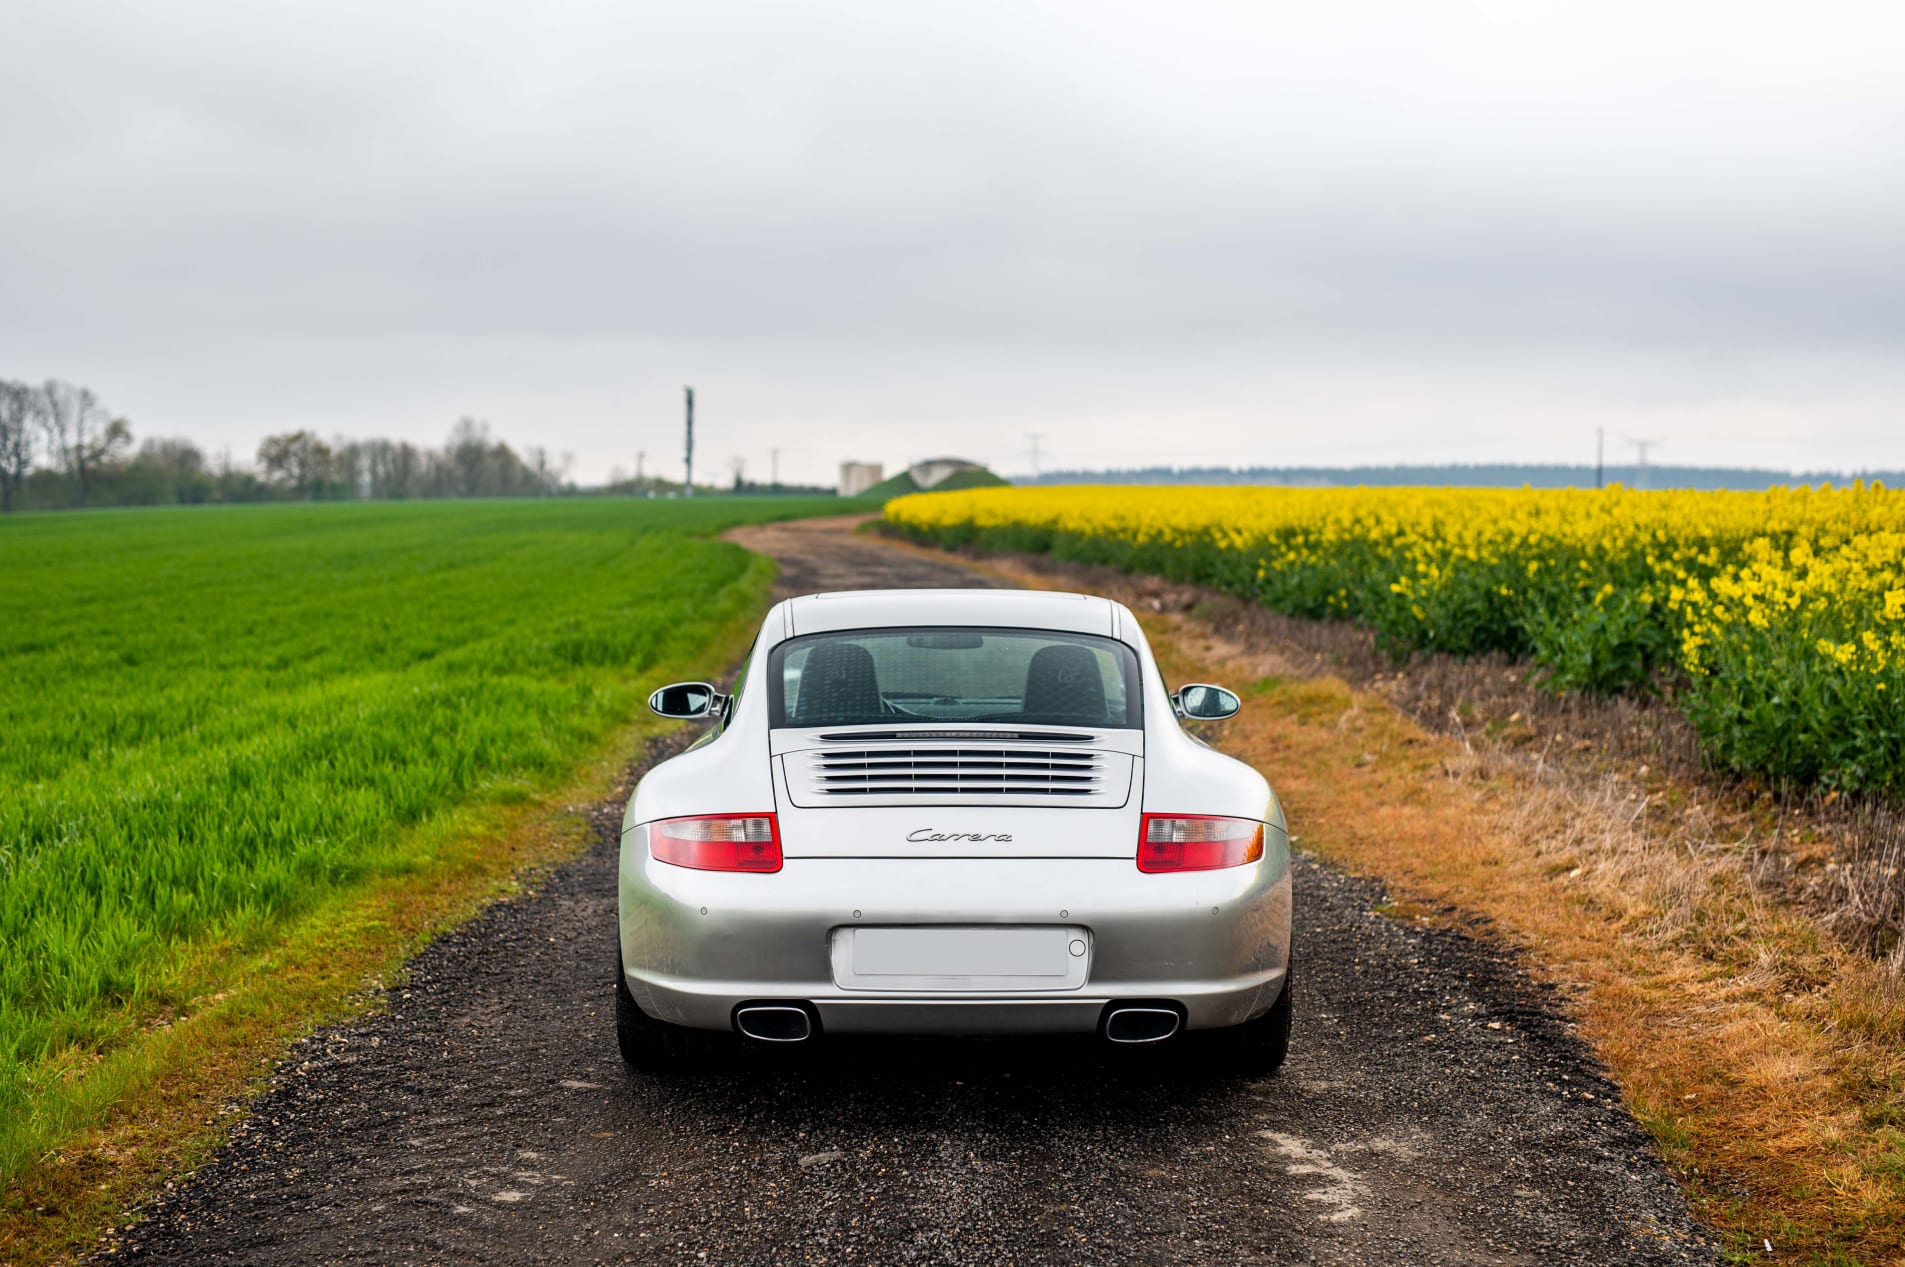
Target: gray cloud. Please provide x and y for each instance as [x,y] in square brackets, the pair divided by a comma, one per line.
[1153,232]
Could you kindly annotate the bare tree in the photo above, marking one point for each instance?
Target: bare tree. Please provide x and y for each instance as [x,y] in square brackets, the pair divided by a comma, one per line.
[83,438]
[61,405]
[169,470]
[174,454]
[20,407]
[396,469]
[469,454]
[227,475]
[101,442]
[295,460]
[347,465]
[381,473]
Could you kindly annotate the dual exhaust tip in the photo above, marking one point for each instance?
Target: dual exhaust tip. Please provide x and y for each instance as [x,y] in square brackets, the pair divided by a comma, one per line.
[775,1022]
[792,1023]
[1140,1022]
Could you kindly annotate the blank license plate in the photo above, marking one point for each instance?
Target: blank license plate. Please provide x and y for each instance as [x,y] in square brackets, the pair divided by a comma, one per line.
[960,958]
[959,952]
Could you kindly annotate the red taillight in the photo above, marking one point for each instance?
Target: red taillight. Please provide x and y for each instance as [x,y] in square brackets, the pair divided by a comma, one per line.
[718,842]
[1197,842]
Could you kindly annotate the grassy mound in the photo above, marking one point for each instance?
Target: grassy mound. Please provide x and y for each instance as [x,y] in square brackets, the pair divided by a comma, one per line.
[976,477]
[889,488]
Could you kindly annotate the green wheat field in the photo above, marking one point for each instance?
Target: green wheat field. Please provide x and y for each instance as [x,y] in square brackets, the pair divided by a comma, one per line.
[212,720]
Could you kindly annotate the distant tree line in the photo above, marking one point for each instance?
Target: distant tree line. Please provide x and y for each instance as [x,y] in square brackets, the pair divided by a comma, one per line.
[60,447]
[471,464]
[1480,475]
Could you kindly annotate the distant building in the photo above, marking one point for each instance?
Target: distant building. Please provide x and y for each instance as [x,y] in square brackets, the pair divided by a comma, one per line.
[858,477]
[933,470]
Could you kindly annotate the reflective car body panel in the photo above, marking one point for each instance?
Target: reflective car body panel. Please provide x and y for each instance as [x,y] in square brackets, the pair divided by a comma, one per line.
[1041,834]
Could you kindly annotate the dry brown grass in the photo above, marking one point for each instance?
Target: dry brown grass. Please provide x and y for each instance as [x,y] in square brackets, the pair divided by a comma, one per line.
[1843,858]
[1701,928]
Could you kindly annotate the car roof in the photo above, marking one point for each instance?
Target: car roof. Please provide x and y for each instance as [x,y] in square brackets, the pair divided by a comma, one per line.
[1007,608]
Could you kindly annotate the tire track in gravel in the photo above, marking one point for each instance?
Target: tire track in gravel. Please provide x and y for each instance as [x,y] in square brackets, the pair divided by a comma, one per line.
[1436,1109]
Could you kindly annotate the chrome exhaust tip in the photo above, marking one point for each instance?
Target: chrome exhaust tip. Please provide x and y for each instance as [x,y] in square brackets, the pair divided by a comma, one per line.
[1140,1024]
[774,1022]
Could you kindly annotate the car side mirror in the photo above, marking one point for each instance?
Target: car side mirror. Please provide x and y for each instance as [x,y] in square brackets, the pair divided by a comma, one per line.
[687,701]
[1203,702]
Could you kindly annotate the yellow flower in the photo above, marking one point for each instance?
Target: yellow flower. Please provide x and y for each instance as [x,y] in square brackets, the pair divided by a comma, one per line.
[1818,571]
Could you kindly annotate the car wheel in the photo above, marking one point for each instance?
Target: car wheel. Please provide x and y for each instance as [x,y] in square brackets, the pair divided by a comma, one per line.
[1259,1046]
[646,1043]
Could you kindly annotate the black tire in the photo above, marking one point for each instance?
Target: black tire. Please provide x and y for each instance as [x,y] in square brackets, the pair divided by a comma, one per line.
[647,1044]
[1258,1047]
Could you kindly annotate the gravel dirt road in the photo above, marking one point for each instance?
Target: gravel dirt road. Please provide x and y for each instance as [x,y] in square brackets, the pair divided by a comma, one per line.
[1435,1109]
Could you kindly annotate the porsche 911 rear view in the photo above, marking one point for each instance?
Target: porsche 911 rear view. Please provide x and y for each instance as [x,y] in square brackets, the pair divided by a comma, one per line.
[952,812]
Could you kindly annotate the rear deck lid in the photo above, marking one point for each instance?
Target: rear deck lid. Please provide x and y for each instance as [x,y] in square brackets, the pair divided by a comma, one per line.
[958,792]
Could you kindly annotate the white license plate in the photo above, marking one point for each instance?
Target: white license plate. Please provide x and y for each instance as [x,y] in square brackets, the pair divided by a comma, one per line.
[960,958]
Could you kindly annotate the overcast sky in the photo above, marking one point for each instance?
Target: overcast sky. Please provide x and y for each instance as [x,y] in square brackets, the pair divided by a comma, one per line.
[1160,233]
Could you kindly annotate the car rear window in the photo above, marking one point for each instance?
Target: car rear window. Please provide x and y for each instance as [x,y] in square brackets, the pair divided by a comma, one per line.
[886,676]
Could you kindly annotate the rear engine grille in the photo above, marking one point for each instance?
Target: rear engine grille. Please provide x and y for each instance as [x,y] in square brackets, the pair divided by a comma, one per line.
[963,771]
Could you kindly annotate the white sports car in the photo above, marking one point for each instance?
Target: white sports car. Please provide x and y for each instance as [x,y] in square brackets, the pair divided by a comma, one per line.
[952,812]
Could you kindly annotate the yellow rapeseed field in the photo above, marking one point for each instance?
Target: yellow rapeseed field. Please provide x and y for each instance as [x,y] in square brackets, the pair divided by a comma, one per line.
[1778,616]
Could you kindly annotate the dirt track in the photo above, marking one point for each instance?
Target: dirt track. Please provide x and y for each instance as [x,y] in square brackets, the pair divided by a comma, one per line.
[1435,1110]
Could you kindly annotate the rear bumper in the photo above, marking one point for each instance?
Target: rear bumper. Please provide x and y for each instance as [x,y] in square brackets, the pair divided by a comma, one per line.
[711,1005]
[695,944]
